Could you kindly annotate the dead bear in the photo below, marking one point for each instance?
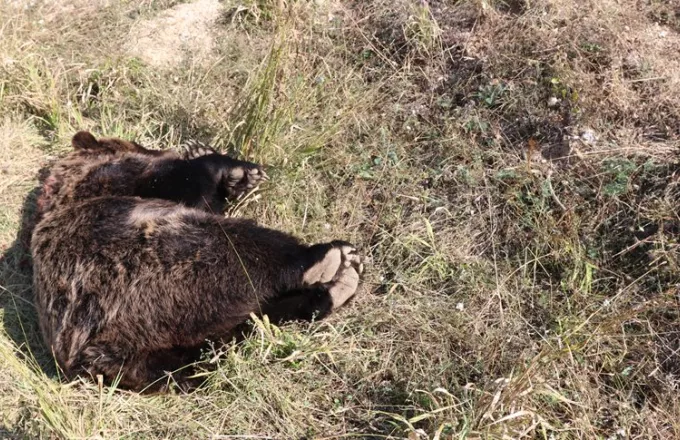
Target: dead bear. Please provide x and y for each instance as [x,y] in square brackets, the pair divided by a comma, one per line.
[134,269]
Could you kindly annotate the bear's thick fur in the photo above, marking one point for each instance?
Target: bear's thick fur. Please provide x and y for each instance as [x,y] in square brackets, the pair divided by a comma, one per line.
[134,268]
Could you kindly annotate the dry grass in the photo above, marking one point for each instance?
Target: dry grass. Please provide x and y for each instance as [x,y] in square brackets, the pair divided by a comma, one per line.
[511,167]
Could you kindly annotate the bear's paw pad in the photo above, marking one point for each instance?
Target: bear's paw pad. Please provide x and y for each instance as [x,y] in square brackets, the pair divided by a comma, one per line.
[243,178]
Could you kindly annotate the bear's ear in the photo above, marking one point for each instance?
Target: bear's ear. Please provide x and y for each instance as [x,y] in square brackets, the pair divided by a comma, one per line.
[83,140]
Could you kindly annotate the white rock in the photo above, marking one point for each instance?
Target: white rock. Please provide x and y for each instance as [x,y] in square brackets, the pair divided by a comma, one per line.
[588,136]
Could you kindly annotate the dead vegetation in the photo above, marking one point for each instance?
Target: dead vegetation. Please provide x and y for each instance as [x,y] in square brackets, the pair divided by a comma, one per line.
[512,168]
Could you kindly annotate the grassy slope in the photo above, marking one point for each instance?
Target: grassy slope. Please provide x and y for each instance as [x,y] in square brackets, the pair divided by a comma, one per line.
[512,168]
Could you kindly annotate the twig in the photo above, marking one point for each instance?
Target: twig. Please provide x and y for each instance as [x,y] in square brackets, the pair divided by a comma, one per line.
[552,193]
[654,78]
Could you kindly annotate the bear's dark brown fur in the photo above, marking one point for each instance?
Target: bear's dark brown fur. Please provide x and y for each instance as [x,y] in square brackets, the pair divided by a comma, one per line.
[133,272]
[116,167]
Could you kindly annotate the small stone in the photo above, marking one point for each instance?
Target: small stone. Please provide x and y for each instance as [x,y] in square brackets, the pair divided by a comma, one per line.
[552,102]
[421,433]
[588,136]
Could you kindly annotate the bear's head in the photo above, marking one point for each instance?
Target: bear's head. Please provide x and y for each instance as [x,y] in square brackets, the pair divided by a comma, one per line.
[84,141]
[89,153]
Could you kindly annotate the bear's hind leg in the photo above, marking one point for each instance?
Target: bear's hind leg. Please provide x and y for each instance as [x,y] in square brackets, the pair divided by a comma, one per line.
[141,371]
[337,273]
[102,359]
[328,284]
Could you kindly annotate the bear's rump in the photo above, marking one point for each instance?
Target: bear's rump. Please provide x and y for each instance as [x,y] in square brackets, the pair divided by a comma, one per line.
[141,273]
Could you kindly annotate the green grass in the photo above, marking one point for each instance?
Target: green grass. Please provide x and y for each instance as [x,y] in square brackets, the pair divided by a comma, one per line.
[510,168]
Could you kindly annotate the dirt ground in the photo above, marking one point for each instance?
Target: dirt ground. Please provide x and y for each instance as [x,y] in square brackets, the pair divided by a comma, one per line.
[184,31]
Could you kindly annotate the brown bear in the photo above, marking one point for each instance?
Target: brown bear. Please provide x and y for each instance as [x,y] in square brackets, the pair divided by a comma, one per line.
[134,267]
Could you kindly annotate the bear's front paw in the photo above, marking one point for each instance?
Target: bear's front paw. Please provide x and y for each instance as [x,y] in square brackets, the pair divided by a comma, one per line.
[243,177]
[192,149]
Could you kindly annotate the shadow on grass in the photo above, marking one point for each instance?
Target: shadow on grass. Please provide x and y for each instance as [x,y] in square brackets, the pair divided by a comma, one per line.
[20,320]
[11,435]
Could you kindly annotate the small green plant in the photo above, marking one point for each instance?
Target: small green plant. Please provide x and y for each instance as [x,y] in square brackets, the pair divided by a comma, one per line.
[619,171]
[476,125]
[562,90]
[491,94]
[591,47]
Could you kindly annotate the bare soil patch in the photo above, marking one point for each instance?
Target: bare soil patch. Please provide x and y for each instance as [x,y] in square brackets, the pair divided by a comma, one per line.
[177,34]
